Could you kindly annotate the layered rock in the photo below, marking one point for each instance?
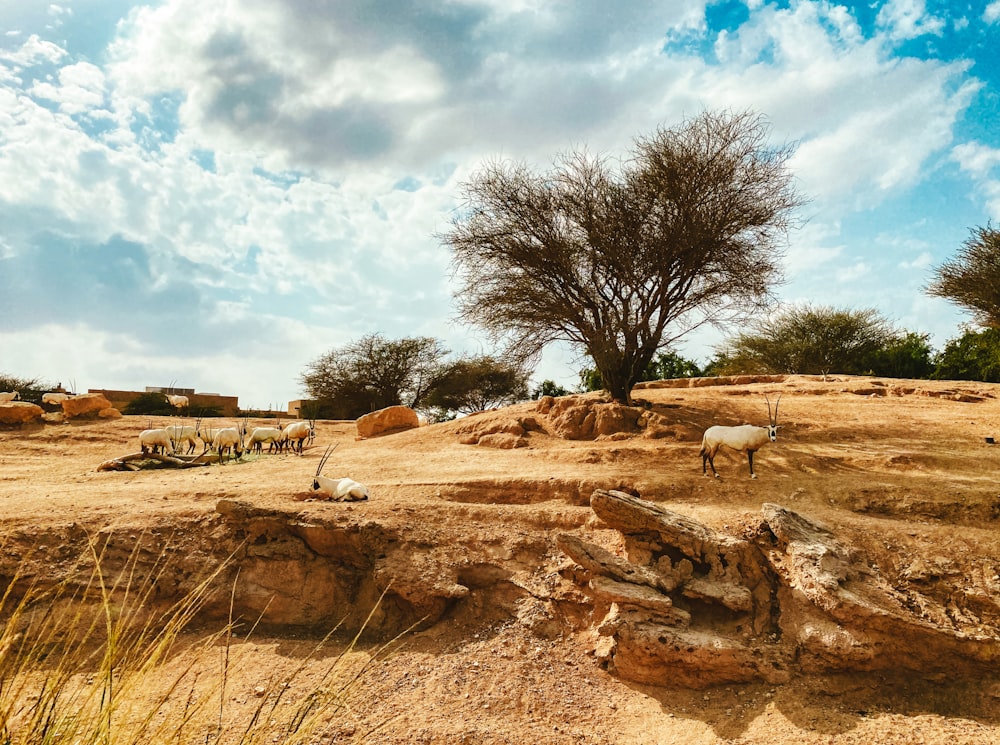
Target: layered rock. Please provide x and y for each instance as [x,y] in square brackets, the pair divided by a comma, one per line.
[693,606]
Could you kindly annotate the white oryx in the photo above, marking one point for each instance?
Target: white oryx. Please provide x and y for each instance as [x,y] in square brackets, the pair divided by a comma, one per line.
[184,433]
[340,490]
[156,441]
[295,434]
[228,439]
[746,438]
[178,402]
[6,398]
[206,434]
[260,435]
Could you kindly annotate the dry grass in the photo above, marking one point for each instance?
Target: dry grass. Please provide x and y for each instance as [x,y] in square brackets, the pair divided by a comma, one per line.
[90,664]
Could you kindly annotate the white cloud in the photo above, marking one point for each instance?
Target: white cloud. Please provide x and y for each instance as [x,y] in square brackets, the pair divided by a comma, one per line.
[34,51]
[908,19]
[981,162]
[80,89]
[992,12]
[285,173]
[924,260]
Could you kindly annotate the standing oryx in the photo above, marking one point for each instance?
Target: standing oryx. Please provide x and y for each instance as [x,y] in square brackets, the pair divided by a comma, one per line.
[746,438]
[295,434]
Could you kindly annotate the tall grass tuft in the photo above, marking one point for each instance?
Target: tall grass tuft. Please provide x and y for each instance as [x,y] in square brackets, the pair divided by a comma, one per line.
[103,661]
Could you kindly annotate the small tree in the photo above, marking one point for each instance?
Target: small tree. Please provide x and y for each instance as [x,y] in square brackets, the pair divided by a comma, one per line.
[906,356]
[972,278]
[975,355]
[549,388]
[478,383]
[810,340]
[373,373]
[624,263]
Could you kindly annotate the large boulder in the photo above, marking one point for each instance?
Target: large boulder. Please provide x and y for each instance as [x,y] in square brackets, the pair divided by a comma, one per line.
[86,404]
[391,419]
[20,412]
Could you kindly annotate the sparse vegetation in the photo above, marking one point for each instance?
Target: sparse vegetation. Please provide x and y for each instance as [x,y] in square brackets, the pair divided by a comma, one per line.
[373,373]
[100,664]
[149,403]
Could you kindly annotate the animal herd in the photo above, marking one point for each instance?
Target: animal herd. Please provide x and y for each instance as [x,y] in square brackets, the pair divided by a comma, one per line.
[228,442]
[231,443]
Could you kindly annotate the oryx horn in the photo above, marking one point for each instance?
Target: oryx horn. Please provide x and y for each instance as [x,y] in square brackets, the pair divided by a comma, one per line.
[326,456]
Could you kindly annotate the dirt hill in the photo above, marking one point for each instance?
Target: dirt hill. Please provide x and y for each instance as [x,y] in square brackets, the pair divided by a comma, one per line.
[861,605]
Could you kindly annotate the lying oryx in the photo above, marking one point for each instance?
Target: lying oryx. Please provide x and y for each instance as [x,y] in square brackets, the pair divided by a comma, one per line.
[341,490]
[746,439]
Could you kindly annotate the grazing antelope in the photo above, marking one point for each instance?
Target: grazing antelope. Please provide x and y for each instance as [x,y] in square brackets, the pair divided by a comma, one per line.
[184,433]
[228,439]
[260,435]
[178,402]
[340,490]
[295,434]
[746,438]
[9,396]
[155,441]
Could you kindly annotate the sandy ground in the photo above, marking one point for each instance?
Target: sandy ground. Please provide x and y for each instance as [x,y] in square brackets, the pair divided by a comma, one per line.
[901,469]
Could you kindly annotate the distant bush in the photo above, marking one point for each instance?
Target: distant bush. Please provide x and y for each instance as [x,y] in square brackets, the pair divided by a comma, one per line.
[975,355]
[151,403]
[29,389]
[548,388]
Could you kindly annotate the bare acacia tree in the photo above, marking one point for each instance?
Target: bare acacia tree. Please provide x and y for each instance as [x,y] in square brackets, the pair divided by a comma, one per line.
[623,264]
[374,372]
[972,278]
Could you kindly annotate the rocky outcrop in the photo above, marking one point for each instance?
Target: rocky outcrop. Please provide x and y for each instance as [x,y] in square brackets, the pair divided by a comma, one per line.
[20,412]
[390,419]
[693,606]
[575,417]
[85,405]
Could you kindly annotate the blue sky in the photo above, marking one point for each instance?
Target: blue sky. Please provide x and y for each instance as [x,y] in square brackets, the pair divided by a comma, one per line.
[214,194]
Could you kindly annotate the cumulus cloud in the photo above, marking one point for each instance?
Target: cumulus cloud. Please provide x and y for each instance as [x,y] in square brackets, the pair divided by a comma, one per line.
[908,19]
[243,170]
[982,162]
[32,52]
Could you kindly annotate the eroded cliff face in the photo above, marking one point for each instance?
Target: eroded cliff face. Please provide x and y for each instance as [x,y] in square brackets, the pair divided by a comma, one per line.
[660,598]
[693,606]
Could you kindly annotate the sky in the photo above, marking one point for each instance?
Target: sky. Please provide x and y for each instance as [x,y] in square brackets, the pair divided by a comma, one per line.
[211,195]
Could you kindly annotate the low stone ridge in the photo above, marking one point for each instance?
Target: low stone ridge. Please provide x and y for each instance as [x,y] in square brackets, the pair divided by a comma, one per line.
[696,607]
[390,419]
[574,417]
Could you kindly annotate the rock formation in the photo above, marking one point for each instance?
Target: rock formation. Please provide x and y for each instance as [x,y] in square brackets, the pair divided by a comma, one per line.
[693,606]
[20,412]
[390,419]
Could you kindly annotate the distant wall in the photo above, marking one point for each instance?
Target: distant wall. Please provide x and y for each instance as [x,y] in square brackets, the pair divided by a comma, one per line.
[229,405]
